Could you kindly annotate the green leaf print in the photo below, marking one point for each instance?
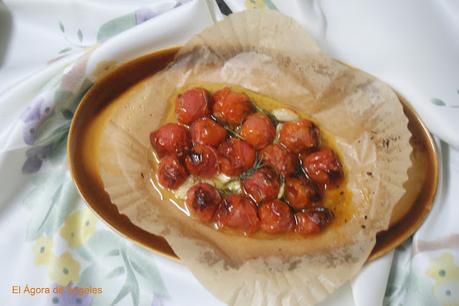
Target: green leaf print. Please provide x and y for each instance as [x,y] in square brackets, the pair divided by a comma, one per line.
[85,86]
[441,103]
[115,26]
[91,275]
[143,264]
[80,35]
[52,132]
[123,292]
[113,258]
[114,253]
[58,152]
[62,97]
[68,100]
[65,50]
[104,242]
[131,282]
[116,272]
[438,102]
[40,225]
[50,202]
[390,290]
[61,27]
[270,5]
[130,286]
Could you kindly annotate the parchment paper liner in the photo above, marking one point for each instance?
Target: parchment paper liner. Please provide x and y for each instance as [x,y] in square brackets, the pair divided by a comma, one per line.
[268,53]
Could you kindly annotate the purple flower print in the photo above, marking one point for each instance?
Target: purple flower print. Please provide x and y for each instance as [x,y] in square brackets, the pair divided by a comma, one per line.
[39,109]
[29,133]
[35,157]
[33,117]
[143,14]
[69,298]
[31,165]
[32,113]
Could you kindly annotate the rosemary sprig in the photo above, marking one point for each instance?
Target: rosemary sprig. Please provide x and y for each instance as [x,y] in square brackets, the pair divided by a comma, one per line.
[256,165]
[268,114]
[233,133]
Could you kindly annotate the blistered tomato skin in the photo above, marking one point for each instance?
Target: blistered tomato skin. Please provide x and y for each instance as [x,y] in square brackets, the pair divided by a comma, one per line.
[280,159]
[193,104]
[276,188]
[171,138]
[203,200]
[322,166]
[238,212]
[231,107]
[208,132]
[171,172]
[235,156]
[276,217]
[312,221]
[202,161]
[258,130]
[262,185]
[299,193]
[299,136]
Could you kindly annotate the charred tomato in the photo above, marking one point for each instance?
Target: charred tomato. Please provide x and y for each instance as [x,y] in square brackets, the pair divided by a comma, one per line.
[279,158]
[300,193]
[323,166]
[202,161]
[312,221]
[262,185]
[171,172]
[203,200]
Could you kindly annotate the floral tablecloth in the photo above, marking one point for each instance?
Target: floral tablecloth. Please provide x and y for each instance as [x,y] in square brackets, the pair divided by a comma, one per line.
[54,250]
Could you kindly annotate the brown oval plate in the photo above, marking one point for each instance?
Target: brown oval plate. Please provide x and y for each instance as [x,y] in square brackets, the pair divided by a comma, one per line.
[101,99]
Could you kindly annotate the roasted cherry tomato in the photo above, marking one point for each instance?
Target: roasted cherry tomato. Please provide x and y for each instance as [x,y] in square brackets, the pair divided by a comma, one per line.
[276,217]
[299,136]
[299,193]
[171,138]
[171,172]
[322,166]
[262,185]
[206,131]
[279,158]
[203,200]
[258,130]
[202,161]
[192,105]
[239,212]
[235,156]
[231,107]
[312,221]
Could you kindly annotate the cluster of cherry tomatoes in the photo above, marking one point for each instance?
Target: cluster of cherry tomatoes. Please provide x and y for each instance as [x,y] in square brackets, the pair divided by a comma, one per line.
[224,133]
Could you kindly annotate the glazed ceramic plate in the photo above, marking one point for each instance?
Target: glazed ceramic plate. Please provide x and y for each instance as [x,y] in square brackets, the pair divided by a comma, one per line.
[96,106]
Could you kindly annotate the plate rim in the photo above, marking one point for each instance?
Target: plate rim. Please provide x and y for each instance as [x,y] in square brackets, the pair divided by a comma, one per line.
[432,147]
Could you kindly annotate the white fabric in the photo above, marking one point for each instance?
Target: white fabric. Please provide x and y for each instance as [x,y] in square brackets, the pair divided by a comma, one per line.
[412,45]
